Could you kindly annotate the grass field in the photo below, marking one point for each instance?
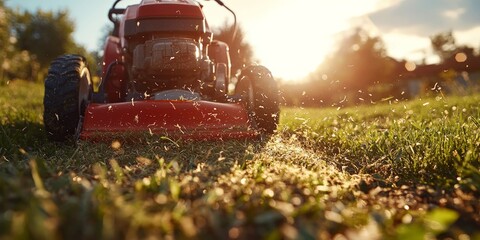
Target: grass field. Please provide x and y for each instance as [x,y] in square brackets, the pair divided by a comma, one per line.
[406,170]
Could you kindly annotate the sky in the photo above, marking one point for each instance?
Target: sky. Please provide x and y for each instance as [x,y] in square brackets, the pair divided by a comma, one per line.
[292,37]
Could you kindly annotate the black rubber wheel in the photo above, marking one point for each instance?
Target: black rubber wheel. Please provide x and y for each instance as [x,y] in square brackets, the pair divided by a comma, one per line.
[259,92]
[68,90]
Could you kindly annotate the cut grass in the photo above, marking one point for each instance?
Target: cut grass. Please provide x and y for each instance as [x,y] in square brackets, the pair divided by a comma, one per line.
[389,171]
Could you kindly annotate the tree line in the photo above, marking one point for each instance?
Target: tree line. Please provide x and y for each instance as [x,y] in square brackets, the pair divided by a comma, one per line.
[29,41]
[360,71]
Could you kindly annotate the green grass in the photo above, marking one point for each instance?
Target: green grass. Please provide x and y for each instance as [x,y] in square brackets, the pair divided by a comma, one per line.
[391,170]
[430,141]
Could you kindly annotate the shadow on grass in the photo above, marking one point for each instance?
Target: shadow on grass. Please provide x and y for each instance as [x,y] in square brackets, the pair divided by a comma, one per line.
[139,157]
[142,158]
[20,137]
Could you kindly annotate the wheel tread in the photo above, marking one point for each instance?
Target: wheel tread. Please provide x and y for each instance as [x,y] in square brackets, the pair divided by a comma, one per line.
[61,114]
[266,110]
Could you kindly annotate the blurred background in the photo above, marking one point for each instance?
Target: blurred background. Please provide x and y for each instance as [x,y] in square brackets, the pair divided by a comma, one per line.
[323,53]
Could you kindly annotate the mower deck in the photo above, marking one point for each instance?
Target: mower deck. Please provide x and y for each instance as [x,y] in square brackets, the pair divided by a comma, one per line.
[179,119]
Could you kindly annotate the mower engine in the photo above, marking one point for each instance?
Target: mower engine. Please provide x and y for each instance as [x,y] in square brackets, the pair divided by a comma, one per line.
[161,45]
[164,57]
[169,63]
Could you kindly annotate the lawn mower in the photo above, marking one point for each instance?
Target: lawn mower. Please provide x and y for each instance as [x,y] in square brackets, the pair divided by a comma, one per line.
[162,74]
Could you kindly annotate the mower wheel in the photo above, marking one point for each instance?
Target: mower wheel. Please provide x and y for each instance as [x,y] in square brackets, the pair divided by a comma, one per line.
[259,92]
[68,89]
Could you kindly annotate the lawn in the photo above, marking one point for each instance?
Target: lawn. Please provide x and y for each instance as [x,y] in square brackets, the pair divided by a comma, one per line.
[394,169]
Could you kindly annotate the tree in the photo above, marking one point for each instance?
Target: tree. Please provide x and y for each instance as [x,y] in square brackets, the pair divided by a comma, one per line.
[45,35]
[359,62]
[4,40]
[13,63]
[241,52]
[107,30]
[40,38]
[444,45]
[358,67]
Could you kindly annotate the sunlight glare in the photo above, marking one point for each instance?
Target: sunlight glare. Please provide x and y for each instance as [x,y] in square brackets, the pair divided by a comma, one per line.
[294,39]
[460,57]
[410,66]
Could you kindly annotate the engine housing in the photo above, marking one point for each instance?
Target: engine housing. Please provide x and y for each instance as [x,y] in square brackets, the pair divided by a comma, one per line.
[167,63]
[166,56]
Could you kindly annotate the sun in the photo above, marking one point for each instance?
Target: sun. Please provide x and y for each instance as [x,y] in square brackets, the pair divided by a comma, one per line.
[293,40]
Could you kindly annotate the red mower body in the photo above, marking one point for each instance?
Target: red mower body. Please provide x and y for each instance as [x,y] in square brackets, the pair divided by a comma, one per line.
[162,74]
[174,118]
[198,120]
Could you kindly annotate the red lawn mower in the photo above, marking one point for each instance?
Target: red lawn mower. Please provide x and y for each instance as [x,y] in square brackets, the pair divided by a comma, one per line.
[162,74]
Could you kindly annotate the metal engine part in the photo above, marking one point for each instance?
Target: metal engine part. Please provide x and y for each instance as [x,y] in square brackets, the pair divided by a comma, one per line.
[177,94]
[167,56]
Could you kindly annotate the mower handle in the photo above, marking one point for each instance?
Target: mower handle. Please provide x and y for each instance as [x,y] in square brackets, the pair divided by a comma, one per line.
[220,3]
[115,11]
[234,18]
